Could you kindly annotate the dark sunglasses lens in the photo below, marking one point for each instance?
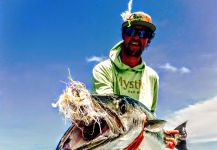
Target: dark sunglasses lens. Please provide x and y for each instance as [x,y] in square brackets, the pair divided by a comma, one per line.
[130,32]
[142,33]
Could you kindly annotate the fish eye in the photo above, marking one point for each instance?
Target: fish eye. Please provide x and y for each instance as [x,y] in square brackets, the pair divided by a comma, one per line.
[122,106]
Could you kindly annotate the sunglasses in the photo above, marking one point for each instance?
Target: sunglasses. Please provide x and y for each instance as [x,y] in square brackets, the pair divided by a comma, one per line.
[140,32]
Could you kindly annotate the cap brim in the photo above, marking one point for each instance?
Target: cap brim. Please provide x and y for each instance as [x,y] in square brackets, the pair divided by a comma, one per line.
[140,23]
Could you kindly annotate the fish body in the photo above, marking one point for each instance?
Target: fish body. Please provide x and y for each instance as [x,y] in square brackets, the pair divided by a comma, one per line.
[108,122]
[124,120]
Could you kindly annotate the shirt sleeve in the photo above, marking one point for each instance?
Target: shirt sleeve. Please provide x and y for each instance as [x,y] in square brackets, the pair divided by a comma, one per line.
[155,96]
[102,79]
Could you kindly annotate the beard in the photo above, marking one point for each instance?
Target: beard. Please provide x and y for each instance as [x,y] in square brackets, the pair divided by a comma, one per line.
[130,52]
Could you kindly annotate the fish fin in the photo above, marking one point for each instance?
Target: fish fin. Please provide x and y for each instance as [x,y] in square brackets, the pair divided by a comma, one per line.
[155,125]
[181,140]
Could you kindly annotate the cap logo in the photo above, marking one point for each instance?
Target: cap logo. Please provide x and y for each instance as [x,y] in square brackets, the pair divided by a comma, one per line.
[137,17]
[134,17]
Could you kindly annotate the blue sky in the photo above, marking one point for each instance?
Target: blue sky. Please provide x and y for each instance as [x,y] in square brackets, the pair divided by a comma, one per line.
[40,40]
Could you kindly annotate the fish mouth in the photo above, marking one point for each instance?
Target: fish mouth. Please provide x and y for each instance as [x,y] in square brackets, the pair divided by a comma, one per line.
[93,129]
[102,126]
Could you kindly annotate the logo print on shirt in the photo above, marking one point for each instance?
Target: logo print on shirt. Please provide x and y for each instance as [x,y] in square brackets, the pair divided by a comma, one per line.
[134,84]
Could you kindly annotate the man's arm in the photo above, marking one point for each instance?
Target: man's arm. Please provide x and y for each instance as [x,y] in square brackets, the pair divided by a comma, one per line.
[102,79]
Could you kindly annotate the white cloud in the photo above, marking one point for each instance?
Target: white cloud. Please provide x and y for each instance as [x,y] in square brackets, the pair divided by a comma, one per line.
[184,70]
[170,68]
[201,126]
[95,59]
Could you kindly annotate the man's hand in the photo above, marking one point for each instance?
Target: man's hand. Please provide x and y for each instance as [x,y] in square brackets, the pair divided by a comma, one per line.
[170,138]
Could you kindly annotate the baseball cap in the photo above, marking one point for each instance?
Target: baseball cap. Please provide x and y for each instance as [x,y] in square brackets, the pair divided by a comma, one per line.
[138,18]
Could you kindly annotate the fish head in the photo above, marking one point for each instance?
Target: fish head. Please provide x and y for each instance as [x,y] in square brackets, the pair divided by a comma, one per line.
[129,113]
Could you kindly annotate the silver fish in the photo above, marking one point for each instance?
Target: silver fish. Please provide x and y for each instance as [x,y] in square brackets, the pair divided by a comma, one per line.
[120,122]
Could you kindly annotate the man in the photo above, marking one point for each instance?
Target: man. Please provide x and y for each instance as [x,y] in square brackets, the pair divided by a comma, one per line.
[125,72]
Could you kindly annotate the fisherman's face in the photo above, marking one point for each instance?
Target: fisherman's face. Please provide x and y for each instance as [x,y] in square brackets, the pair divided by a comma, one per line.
[135,39]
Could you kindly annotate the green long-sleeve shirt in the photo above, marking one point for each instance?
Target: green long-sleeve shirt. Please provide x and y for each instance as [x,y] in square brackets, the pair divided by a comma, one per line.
[114,77]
